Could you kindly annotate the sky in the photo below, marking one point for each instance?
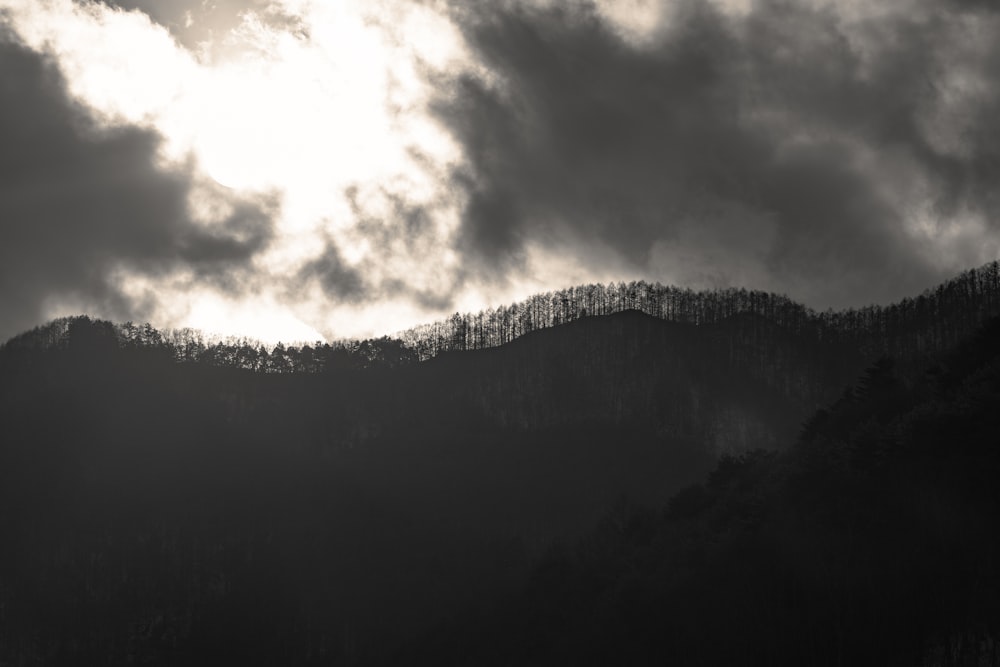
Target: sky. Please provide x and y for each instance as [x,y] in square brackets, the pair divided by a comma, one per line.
[306,169]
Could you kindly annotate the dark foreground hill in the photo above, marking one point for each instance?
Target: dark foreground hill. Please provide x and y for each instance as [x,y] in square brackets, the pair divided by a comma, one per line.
[199,505]
[190,512]
[873,541]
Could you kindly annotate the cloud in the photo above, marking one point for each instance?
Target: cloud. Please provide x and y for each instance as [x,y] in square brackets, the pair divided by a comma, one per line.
[334,276]
[82,206]
[399,245]
[429,156]
[205,27]
[306,110]
[821,149]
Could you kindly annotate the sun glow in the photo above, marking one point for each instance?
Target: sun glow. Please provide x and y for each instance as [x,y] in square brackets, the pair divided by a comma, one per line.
[287,110]
[305,110]
[268,321]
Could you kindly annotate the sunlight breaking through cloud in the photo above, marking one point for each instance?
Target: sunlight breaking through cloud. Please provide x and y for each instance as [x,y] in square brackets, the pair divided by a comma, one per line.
[358,167]
[306,113]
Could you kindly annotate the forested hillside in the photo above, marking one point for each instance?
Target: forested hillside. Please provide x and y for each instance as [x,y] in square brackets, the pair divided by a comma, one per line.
[932,321]
[169,500]
[872,541]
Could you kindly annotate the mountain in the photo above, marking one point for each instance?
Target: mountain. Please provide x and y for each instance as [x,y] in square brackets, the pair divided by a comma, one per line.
[164,500]
[872,540]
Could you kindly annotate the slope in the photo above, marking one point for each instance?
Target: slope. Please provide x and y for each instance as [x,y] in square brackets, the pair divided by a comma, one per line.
[872,541]
[156,508]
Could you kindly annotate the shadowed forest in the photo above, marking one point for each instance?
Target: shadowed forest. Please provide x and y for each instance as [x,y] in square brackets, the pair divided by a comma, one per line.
[627,474]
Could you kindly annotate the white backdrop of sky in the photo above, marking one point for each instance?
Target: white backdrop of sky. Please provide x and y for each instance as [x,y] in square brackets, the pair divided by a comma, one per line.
[298,169]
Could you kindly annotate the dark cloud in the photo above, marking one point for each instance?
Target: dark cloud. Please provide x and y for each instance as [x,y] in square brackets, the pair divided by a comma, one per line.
[78,204]
[334,275]
[784,141]
[406,223]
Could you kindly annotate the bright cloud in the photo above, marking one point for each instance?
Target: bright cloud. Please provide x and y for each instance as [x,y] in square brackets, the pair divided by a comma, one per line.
[305,112]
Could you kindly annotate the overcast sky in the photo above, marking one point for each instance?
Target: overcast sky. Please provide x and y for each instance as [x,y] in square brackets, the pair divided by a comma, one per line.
[302,168]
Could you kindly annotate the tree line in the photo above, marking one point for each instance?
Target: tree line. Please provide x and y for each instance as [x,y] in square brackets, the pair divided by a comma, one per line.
[930,322]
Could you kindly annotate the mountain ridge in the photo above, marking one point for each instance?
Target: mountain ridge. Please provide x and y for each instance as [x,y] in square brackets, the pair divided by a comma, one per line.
[344,500]
[947,312]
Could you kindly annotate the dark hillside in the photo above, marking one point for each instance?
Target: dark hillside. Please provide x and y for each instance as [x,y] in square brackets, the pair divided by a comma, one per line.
[164,500]
[872,541]
[739,381]
[157,508]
